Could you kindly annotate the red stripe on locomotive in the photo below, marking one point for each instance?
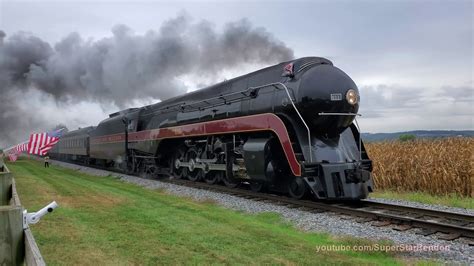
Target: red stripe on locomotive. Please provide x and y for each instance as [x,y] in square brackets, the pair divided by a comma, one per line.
[260,122]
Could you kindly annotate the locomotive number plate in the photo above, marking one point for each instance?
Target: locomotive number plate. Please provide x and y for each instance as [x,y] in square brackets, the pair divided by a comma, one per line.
[336,97]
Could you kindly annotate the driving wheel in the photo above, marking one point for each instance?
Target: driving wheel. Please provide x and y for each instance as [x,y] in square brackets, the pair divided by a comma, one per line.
[297,188]
[194,174]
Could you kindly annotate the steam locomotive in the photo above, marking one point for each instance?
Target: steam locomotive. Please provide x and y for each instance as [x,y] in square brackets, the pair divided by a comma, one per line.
[287,128]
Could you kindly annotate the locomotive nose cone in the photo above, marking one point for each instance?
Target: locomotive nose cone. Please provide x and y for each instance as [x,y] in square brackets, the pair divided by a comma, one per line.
[327,89]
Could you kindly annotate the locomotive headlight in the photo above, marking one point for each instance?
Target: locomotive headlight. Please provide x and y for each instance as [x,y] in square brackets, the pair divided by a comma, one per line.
[352,97]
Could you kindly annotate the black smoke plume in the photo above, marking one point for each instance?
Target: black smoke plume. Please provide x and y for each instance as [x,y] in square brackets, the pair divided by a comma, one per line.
[125,67]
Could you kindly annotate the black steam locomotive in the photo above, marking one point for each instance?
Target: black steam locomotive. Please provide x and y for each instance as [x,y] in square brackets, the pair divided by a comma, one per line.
[287,128]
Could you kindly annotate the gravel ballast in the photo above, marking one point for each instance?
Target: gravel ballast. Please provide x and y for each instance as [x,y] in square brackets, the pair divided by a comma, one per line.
[458,252]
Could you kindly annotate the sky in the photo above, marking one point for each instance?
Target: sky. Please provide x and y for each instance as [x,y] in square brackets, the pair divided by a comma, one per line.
[412,60]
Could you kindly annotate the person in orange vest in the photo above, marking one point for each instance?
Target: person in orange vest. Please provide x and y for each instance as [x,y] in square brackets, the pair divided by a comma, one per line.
[46,161]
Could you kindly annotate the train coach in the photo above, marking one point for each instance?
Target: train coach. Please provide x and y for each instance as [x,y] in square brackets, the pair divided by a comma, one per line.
[73,146]
[289,128]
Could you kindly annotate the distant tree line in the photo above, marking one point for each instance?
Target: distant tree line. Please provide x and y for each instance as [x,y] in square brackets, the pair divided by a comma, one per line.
[407,137]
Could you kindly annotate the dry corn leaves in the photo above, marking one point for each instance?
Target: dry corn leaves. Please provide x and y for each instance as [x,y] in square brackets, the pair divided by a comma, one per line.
[439,166]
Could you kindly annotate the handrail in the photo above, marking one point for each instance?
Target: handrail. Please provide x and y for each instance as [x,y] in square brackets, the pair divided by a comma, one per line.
[360,139]
[294,107]
[181,106]
[348,114]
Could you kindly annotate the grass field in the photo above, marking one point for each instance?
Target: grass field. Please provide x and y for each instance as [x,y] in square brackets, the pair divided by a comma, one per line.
[451,200]
[425,169]
[104,221]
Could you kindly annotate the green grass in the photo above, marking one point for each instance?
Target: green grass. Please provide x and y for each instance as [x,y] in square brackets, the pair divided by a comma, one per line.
[102,220]
[447,200]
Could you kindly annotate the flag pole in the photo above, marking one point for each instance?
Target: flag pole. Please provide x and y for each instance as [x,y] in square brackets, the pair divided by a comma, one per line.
[7,149]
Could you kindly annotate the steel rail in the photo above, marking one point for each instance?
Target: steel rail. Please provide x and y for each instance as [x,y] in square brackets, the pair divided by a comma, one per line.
[421,211]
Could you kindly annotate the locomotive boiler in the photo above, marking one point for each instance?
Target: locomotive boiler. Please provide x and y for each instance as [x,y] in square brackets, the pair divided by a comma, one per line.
[288,128]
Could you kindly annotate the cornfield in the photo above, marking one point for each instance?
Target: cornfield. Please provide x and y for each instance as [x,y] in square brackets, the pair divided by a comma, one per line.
[439,166]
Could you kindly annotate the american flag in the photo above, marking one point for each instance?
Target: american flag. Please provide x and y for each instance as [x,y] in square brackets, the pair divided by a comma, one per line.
[12,156]
[21,147]
[41,143]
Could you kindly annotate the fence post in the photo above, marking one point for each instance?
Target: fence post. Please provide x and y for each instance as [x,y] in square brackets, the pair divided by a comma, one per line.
[5,188]
[12,246]
[17,246]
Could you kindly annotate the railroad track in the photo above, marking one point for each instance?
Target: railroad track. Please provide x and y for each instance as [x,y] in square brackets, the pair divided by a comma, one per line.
[444,225]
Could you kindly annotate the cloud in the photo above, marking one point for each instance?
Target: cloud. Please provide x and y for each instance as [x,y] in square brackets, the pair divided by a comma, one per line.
[458,94]
[389,108]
